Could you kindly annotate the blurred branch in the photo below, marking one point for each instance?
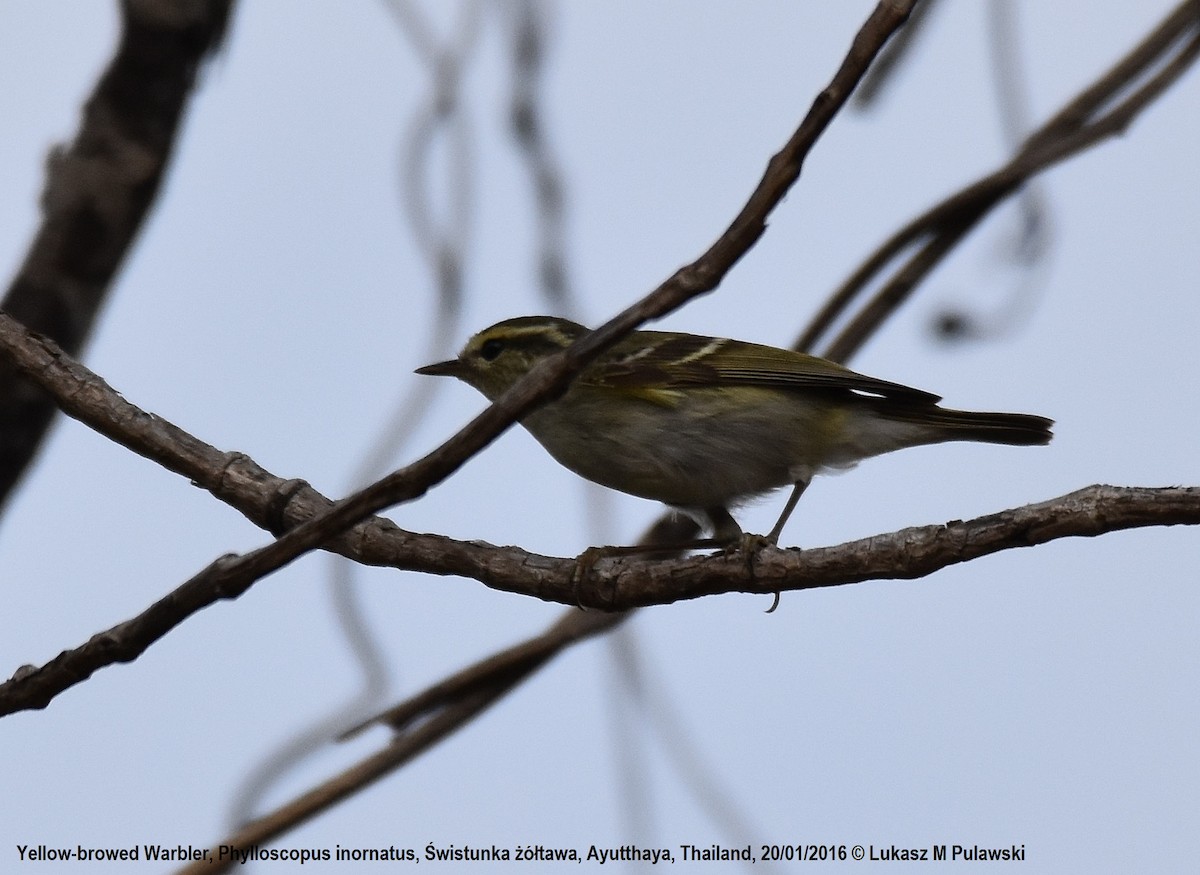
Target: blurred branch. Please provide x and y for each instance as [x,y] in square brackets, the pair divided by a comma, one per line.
[530,655]
[442,237]
[906,554]
[528,129]
[98,191]
[1094,115]
[1024,248]
[620,583]
[276,505]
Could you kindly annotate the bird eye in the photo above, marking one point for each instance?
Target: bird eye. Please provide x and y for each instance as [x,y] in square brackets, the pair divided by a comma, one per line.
[491,349]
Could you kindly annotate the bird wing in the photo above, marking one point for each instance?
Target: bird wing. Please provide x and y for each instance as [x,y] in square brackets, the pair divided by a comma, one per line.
[666,361]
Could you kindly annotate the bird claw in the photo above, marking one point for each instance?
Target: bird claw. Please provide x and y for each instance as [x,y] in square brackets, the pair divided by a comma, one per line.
[584,563]
[749,545]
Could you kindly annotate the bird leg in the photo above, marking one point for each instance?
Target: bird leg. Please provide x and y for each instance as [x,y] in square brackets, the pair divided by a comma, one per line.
[797,491]
[772,537]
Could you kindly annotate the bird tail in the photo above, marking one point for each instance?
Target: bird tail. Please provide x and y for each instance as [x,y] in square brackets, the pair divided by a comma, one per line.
[942,424]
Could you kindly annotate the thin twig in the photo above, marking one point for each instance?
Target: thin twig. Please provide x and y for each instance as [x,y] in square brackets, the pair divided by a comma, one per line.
[1077,126]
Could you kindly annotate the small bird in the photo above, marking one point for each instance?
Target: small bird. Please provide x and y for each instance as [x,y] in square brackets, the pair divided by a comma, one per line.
[705,423]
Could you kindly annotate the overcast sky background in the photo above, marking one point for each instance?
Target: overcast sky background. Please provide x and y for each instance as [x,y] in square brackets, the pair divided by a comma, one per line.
[276,304]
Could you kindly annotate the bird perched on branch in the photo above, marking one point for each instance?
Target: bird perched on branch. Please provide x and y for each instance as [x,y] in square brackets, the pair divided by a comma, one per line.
[705,423]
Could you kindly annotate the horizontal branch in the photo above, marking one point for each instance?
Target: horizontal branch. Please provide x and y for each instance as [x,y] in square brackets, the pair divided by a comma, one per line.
[430,716]
[617,584]
[906,554]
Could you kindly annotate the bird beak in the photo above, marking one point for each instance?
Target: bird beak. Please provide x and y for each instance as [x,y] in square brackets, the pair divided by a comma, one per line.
[452,368]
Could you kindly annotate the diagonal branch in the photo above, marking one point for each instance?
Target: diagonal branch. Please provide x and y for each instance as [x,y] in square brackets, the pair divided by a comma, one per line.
[1088,508]
[98,192]
[1094,115]
[229,576]
[910,553]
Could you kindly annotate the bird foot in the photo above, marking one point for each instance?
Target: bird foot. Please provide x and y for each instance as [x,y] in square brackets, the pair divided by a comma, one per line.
[749,546]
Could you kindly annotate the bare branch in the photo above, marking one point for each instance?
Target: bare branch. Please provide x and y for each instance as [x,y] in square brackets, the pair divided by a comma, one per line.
[98,191]
[893,58]
[1087,511]
[613,584]
[1170,49]
[85,396]
[621,583]
[906,554]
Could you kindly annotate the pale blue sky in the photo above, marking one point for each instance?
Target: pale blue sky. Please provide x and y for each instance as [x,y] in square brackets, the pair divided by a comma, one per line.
[275,305]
